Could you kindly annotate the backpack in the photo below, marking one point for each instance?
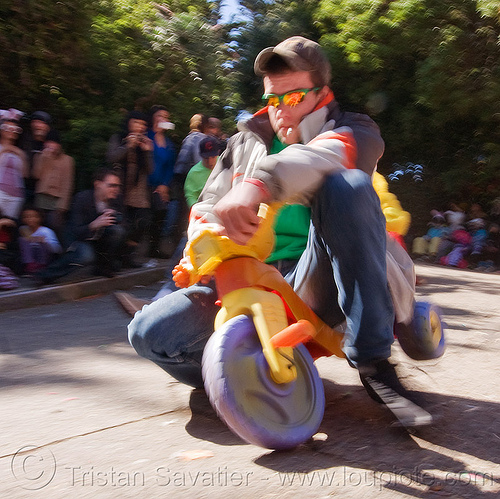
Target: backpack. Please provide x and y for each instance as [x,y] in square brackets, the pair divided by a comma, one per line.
[8,279]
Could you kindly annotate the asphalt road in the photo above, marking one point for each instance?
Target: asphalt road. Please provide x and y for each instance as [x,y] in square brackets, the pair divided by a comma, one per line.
[83,416]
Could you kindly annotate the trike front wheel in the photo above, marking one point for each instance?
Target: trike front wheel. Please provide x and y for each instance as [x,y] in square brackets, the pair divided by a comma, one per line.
[249,401]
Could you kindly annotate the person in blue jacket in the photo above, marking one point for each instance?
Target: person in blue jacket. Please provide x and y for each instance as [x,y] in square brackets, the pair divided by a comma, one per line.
[164,156]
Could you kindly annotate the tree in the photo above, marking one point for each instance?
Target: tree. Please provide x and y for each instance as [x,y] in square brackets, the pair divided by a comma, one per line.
[428,70]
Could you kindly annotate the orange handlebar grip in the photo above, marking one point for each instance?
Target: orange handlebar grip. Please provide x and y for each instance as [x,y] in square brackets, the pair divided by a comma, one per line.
[292,335]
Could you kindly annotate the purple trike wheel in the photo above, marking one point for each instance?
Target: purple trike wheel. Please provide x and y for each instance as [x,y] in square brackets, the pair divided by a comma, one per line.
[254,407]
[423,338]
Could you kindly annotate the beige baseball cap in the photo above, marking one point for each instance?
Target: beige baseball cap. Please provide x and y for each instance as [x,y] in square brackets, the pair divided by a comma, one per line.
[300,54]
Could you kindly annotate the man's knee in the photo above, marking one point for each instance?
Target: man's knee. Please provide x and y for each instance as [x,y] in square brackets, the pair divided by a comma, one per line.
[348,194]
[81,253]
[140,333]
[345,184]
[114,236]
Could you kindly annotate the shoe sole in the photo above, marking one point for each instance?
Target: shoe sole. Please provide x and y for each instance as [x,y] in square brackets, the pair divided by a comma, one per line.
[409,414]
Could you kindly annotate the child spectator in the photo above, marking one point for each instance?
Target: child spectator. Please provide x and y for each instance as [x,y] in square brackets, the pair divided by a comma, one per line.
[462,243]
[428,245]
[479,234]
[38,244]
[455,216]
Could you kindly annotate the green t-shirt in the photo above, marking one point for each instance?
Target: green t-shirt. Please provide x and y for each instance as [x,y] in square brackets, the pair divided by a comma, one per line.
[195,181]
[291,225]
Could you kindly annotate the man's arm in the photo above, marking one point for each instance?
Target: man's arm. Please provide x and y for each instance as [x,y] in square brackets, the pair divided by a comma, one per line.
[294,175]
[85,220]
[67,184]
[117,149]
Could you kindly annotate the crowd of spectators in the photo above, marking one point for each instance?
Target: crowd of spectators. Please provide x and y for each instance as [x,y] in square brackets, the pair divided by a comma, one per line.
[462,238]
[137,199]
[143,196]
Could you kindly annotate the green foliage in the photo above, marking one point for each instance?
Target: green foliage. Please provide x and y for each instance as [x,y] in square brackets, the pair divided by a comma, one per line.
[88,61]
[428,71]
[269,23]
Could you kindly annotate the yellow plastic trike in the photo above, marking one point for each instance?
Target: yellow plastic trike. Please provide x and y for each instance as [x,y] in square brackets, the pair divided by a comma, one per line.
[258,367]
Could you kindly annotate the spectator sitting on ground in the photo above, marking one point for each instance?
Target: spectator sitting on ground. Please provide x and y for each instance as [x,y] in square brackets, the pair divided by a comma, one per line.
[494,215]
[13,164]
[427,246]
[491,251]
[96,229]
[55,174]
[475,211]
[33,143]
[455,216]
[461,242]
[9,244]
[38,244]
[199,173]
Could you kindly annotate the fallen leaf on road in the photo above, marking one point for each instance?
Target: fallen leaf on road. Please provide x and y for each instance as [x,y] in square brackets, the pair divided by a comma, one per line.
[191,455]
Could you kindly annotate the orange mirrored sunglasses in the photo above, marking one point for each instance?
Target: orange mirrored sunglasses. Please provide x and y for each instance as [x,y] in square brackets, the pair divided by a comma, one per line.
[291,98]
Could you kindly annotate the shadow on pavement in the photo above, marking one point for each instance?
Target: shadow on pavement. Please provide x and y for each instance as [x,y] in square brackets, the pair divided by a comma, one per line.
[205,424]
[360,435]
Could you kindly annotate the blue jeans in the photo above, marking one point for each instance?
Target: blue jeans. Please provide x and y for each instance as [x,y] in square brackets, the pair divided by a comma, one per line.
[341,273]
[81,253]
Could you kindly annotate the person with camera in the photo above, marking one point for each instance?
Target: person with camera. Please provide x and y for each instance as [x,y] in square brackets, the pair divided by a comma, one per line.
[131,154]
[164,155]
[97,230]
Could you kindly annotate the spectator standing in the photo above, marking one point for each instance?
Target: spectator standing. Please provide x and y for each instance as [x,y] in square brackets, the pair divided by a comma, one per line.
[215,130]
[189,155]
[160,180]
[132,154]
[38,244]
[199,173]
[13,164]
[33,144]
[55,174]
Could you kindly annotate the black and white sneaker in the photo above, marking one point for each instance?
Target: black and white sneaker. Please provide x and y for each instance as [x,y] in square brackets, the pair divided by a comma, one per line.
[383,386]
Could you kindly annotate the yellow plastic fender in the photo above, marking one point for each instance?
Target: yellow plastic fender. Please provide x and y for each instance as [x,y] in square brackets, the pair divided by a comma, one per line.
[397,220]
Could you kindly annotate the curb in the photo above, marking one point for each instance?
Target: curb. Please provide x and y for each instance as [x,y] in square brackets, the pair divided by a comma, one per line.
[49,295]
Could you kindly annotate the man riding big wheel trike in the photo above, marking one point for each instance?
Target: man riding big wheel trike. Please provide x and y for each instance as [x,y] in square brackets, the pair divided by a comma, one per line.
[257,367]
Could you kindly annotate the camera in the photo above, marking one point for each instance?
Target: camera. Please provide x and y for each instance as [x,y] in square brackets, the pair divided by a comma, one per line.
[166,125]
